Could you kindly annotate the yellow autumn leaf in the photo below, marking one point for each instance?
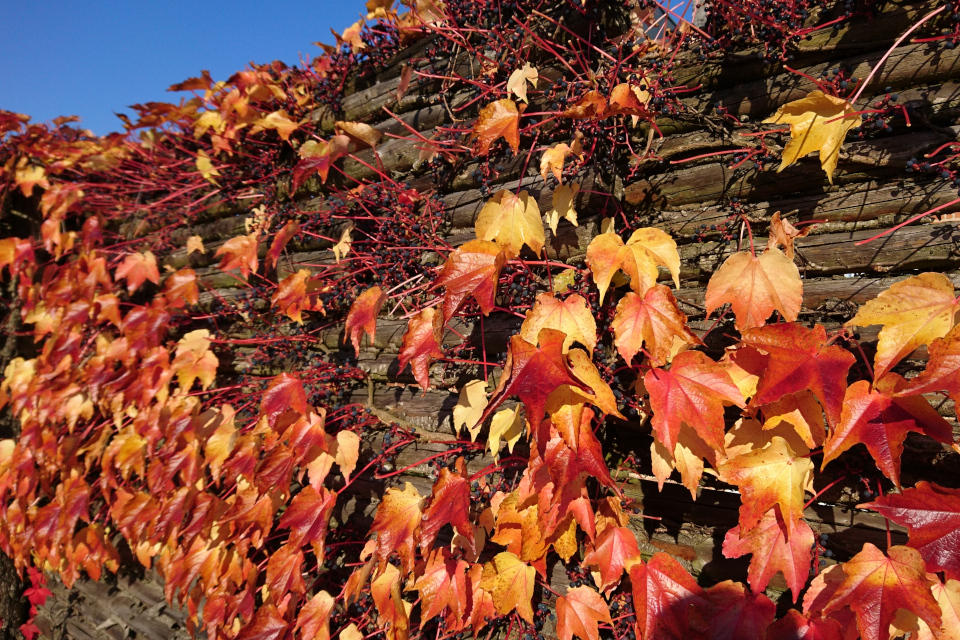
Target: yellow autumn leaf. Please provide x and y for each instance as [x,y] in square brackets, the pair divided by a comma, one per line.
[511,221]
[205,167]
[563,207]
[195,243]
[470,406]
[819,123]
[506,425]
[517,83]
[342,248]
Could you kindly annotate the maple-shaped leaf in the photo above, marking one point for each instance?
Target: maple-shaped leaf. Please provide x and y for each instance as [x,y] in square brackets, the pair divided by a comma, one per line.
[942,372]
[286,233]
[517,82]
[180,289]
[755,286]
[627,100]
[775,545]
[552,161]
[292,296]
[137,268]
[590,106]
[511,221]
[797,359]
[194,360]
[819,123]
[654,320]
[14,252]
[510,582]
[396,524]
[421,344]
[563,206]
[774,475]
[532,373]
[796,626]
[579,613]
[195,243]
[614,551]
[308,517]
[933,515]
[694,390]
[443,586]
[947,595]
[913,312]
[735,612]
[472,270]
[663,593]
[449,504]
[284,392]
[876,586]
[500,119]
[471,403]
[267,624]
[239,253]
[687,458]
[638,258]
[572,316]
[362,317]
[783,234]
[880,419]
[278,121]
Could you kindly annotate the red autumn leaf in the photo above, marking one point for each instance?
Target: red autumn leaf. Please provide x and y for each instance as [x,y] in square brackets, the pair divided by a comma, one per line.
[239,253]
[624,101]
[136,268]
[421,344]
[942,372]
[773,549]
[292,296]
[285,572]
[286,233]
[285,392]
[480,601]
[532,373]
[591,105]
[693,391]
[933,515]
[180,289]
[663,593]
[880,419]
[653,320]
[500,119]
[796,359]
[471,270]
[362,317]
[449,504]
[876,586]
[267,624]
[308,516]
[396,523]
[614,551]
[579,613]
[15,251]
[736,613]
[796,626]
[314,617]
[443,586]
[307,167]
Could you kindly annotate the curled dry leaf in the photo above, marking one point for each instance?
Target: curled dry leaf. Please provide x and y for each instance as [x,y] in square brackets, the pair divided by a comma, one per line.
[819,123]
[783,234]
[755,287]
[517,83]
[500,119]
[591,106]
[295,294]
[511,221]
[552,161]
[278,121]
[195,243]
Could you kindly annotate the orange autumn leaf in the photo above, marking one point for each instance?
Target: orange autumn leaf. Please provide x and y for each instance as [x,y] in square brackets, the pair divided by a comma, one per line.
[239,253]
[136,268]
[947,595]
[393,612]
[572,316]
[755,287]
[876,586]
[194,360]
[637,258]
[733,611]
[286,233]
[591,105]
[471,270]
[687,457]
[880,418]
[663,595]
[783,234]
[510,582]
[694,390]
[443,587]
[293,296]
[654,320]
[362,317]
[362,135]
[552,161]
[180,288]
[913,312]
[614,551]
[511,221]
[421,344]
[499,119]
[774,475]
[626,99]
[942,372]
[481,606]
[579,613]
[396,524]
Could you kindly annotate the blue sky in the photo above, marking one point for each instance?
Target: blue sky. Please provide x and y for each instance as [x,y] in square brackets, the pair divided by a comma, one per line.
[96,57]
